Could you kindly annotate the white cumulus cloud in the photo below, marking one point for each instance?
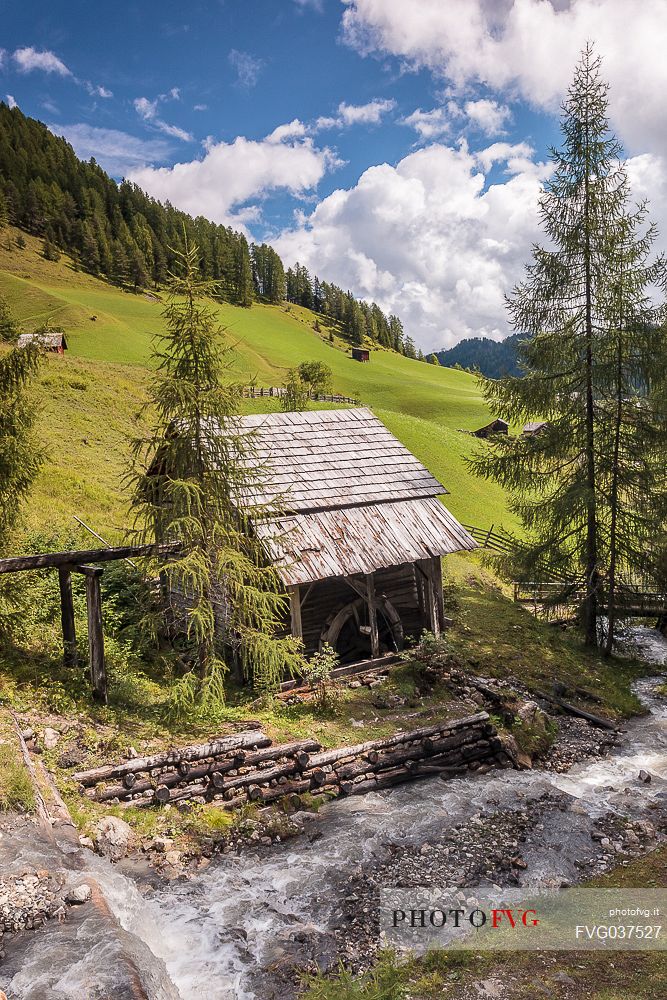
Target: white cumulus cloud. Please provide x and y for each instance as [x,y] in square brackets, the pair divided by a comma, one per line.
[528,48]
[430,239]
[370,113]
[229,175]
[11,101]
[429,124]
[488,116]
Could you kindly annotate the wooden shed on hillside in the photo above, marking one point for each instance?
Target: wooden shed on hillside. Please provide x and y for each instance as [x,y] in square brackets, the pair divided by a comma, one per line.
[497,426]
[53,340]
[361,530]
[533,427]
[361,354]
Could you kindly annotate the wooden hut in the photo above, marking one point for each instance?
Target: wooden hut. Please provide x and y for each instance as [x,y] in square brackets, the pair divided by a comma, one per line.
[534,427]
[497,426]
[361,354]
[53,341]
[360,533]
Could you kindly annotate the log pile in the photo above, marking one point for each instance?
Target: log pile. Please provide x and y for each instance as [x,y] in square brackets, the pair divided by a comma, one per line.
[246,767]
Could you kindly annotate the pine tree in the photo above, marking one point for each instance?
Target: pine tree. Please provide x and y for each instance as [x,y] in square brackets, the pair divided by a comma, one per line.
[584,308]
[49,251]
[188,483]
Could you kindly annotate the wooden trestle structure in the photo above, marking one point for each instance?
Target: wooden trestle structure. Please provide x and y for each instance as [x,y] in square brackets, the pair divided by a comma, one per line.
[80,561]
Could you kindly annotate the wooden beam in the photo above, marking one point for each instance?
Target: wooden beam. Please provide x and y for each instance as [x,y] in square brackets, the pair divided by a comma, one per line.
[295,610]
[431,602]
[48,560]
[372,615]
[67,616]
[439,595]
[98,675]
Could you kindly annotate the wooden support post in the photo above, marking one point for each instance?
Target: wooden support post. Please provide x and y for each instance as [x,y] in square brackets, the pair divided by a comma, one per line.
[295,609]
[439,595]
[98,675]
[430,587]
[372,615]
[67,616]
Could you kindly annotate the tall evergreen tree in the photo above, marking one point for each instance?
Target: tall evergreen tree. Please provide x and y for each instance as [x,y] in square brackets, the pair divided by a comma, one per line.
[190,482]
[584,306]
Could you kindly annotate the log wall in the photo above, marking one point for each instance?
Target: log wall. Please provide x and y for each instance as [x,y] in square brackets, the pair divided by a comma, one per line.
[246,768]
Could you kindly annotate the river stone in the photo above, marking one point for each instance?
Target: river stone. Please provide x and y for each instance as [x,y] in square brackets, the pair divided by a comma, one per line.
[50,738]
[80,894]
[644,776]
[531,713]
[113,838]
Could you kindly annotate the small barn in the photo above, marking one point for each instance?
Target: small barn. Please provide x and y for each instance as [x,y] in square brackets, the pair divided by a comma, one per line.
[360,534]
[497,426]
[53,341]
[361,354]
[534,427]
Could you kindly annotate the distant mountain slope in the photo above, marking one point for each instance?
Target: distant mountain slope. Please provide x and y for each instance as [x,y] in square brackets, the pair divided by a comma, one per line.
[491,357]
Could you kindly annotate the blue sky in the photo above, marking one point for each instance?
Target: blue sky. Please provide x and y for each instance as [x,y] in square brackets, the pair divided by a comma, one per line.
[411,134]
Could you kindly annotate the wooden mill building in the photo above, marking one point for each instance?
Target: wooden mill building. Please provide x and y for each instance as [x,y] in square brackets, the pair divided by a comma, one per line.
[361,530]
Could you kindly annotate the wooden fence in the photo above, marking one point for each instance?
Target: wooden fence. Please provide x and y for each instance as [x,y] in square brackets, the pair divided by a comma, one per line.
[258,392]
[639,598]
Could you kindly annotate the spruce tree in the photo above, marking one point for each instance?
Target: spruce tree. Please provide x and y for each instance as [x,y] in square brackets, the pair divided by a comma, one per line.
[190,482]
[590,331]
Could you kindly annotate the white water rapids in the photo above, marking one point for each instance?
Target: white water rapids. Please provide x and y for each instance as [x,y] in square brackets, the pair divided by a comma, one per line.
[209,935]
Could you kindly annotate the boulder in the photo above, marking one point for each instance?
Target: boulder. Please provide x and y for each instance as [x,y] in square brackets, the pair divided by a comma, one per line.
[530,713]
[50,738]
[159,843]
[113,838]
[80,894]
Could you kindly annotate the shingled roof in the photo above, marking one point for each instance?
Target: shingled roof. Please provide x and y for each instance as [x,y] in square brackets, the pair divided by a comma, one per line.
[354,499]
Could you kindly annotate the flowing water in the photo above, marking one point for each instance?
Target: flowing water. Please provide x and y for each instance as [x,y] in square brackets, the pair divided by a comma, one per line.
[206,938]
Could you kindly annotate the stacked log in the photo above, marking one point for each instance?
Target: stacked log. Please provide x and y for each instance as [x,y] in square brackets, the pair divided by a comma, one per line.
[246,767]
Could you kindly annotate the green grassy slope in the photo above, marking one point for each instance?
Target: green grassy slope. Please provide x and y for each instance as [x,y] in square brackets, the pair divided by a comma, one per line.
[91,397]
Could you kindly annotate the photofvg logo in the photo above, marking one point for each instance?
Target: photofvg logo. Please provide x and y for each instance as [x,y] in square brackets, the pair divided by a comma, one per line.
[477,917]
[523,919]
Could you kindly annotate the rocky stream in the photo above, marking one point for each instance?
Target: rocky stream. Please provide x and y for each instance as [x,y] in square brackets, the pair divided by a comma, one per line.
[245,926]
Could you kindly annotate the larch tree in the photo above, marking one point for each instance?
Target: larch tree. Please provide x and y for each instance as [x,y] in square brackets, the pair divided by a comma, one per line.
[193,479]
[591,335]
